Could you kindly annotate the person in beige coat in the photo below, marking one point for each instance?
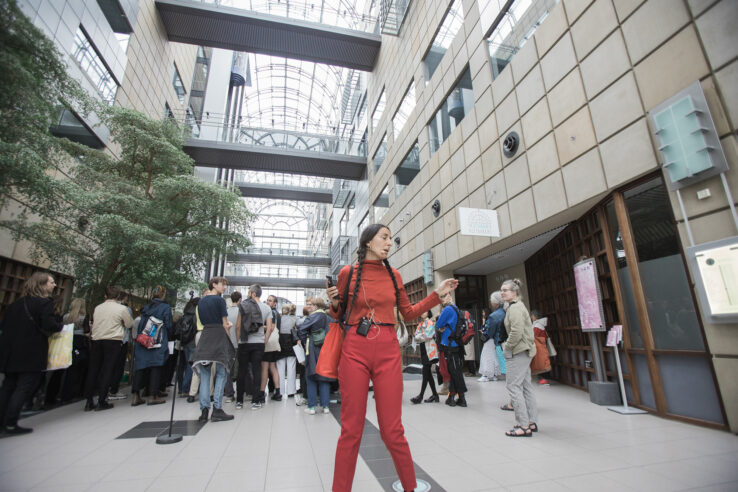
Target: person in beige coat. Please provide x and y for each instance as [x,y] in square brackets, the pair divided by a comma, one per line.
[519,350]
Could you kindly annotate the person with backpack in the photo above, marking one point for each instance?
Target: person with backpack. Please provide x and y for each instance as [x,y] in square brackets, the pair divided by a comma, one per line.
[364,299]
[313,332]
[149,359]
[452,327]
[24,347]
[287,362]
[252,318]
[519,350]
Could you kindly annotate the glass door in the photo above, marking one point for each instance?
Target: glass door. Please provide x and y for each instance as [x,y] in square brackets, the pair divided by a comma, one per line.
[665,341]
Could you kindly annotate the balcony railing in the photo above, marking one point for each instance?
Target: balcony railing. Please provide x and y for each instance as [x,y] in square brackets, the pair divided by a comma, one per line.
[212,129]
[341,252]
[336,15]
[323,252]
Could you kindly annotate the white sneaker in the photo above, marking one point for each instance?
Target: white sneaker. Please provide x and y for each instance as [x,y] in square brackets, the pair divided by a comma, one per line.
[117,396]
[494,378]
[299,400]
[228,399]
[310,410]
[326,410]
[483,379]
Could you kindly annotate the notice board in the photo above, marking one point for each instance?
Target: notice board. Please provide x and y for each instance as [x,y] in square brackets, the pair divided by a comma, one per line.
[589,297]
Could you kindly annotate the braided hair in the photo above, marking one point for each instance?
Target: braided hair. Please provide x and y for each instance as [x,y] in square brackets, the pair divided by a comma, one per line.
[366,236]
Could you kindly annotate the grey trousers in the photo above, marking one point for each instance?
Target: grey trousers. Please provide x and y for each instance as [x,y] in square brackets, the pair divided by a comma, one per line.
[520,389]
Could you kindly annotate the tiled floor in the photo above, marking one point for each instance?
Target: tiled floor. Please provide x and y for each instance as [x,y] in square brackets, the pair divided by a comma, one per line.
[581,446]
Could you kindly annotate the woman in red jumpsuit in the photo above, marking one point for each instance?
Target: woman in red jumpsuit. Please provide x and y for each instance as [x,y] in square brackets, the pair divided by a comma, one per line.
[375,289]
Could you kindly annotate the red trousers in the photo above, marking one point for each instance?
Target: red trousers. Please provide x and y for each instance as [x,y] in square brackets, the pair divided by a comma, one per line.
[376,356]
[443,367]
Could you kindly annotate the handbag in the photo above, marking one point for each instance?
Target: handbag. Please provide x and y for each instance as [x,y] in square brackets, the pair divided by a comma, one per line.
[272,344]
[330,352]
[403,337]
[61,346]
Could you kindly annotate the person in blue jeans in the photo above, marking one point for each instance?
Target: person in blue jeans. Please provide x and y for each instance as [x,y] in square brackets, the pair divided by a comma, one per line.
[312,332]
[214,350]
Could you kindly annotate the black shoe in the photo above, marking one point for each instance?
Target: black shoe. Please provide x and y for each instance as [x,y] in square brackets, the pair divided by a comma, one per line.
[90,406]
[17,430]
[416,399]
[461,402]
[204,415]
[220,416]
[277,397]
[190,399]
[291,396]
[103,405]
[432,399]
[450,401]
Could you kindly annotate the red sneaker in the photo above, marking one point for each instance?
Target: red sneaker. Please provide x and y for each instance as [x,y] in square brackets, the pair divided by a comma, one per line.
[543,381]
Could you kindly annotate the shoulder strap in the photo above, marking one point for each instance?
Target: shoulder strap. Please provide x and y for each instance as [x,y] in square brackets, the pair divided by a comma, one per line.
[344,301]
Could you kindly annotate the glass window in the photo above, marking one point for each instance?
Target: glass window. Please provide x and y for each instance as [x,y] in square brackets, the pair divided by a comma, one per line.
[446,33]
[380,154]
[516,27]
[381,204]
[403,111]
[362,225]
[451,112]
[178,86]
[123,39]
[378,110]
[408,169]
[92,64]
[674,322]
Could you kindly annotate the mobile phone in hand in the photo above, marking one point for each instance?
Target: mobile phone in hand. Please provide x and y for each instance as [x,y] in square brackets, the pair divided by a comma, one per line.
[329,278]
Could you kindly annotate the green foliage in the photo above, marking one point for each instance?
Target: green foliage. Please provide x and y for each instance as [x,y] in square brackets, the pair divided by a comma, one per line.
[136,219]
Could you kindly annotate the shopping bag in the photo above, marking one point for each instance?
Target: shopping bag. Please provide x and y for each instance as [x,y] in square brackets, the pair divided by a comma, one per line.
[60,348]
[330,353]
[551,349]
[540,362]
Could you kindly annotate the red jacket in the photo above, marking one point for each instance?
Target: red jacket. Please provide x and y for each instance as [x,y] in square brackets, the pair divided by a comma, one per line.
[377,292]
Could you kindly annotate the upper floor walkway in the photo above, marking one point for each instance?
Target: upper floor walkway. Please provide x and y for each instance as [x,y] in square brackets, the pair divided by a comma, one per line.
[270,149]
[219,25]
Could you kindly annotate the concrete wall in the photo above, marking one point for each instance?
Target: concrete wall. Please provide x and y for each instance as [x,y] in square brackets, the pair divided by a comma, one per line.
[495,279]
[578,94]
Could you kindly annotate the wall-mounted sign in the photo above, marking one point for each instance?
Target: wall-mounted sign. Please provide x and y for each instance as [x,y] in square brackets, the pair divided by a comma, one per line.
[428,267]
[715,268]
[688,142]
[479,222]
[589,297]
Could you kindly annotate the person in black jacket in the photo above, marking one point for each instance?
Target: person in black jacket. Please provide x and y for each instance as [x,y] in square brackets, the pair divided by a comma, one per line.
[24,347]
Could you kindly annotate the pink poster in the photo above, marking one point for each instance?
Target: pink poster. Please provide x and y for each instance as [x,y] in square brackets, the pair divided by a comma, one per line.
[588,296]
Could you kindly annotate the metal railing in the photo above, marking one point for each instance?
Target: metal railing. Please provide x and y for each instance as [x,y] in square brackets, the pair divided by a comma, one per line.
[323,252]
[215,131]
[336,15]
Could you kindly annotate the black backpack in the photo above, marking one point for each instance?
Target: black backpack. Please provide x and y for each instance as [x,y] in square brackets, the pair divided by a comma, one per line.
[185,328]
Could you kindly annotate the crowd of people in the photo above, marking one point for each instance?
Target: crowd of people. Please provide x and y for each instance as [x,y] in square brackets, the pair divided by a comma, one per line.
[266,351]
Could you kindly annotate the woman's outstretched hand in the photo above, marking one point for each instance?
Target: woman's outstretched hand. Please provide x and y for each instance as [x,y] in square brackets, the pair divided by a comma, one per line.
[447,286]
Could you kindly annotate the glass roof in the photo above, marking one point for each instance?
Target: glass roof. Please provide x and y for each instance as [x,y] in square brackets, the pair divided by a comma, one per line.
[288,225]
[293,95]
[351,14]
